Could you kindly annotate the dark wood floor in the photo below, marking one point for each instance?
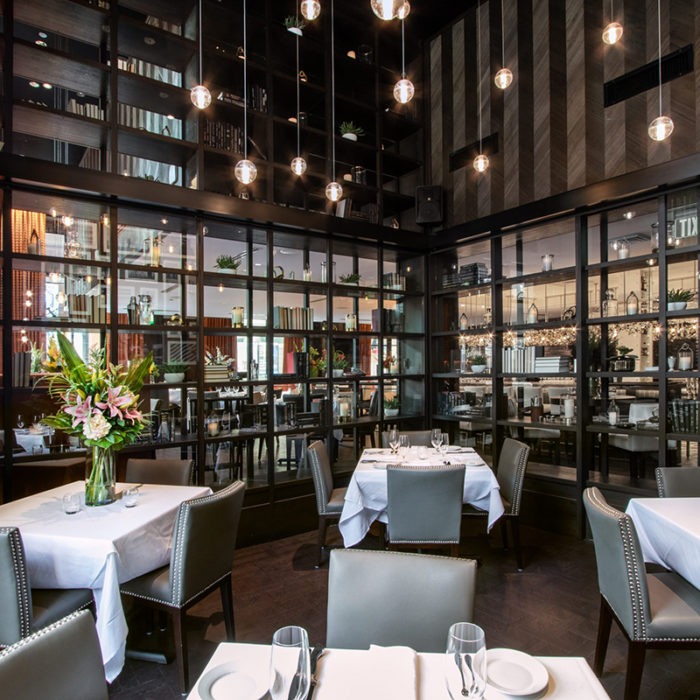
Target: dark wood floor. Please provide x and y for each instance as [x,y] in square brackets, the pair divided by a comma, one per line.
[551,608]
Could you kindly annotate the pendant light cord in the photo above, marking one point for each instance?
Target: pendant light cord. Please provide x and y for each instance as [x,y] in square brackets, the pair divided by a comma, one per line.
[298,99]
[503,36]
[245,83]
[333,86]
[403,49]
[200,42]
[478,66]
[658,20]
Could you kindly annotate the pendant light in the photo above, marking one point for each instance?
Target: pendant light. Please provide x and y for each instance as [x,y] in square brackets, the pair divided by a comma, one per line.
[503,77]
[386,9]
[481,162]
[245,170]
[334,190]
[199,94]
[310,9]
[613,32]
[661,127]
[298,164]
[403,90]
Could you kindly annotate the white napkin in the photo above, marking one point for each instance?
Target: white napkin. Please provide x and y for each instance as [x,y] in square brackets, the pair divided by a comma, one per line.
[382,673]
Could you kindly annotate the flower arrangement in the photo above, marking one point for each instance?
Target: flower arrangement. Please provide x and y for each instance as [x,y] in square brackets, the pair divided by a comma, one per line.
[339,360]
[217,358]
[392,402]
[100,405]
[389,361]
[318,362]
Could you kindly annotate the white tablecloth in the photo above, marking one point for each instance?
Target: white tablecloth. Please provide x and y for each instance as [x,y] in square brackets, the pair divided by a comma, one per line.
[366,498]
[570,678]
[98,548]
[669,533]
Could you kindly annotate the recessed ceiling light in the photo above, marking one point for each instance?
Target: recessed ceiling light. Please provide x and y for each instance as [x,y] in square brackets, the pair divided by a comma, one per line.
[33,83]
[149,41]
[293,120]
[170,116]
[163,221]
[48,86]
[41,42]
[628,215]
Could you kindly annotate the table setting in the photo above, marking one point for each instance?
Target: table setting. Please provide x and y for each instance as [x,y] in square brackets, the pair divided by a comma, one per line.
[291,669]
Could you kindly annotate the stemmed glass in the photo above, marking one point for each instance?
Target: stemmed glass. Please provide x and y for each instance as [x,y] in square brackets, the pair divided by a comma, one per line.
[20,422]
[290,673]
[465,661]
[444,443]
[394,440]
[404,444]
[436,438]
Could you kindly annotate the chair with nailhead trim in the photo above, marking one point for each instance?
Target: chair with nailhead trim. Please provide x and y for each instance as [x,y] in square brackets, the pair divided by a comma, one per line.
[653,610]
[678,482]
[201,560]
[26,609]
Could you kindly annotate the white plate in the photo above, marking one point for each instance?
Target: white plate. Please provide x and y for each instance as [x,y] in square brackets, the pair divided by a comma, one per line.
[515,673]
[231,680]
[379,466]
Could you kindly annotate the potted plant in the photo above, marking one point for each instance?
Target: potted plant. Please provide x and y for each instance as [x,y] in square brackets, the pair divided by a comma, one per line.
[339,363]
[173,372]
[392,406]
[623,361]
[390,363]
[349,131]
[478,363]
[318,362]
[228,263]
[294,24]
[677,299]
[353,278]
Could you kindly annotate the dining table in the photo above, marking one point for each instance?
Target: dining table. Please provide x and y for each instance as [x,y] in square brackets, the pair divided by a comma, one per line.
[395,673]
[366,498]
[669,533]
[98,548]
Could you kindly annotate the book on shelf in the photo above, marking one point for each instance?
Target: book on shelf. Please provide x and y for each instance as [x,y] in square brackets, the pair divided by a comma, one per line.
[295,318]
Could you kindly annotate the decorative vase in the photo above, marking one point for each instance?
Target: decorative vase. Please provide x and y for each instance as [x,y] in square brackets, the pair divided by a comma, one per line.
[677,305]
[349,136]
[100,478]
[174,377]
[391,412]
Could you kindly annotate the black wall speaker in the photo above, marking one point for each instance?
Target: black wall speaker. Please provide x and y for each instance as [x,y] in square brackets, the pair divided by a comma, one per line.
[429,204]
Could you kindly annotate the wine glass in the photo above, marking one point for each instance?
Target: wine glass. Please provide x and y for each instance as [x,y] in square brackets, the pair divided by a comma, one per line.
[465,661]
[436,438]
[444,443]
[404,444]
[20,422]
[394,440]
[290,673]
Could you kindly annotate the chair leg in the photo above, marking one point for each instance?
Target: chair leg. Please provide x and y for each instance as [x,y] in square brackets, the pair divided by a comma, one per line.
[504,532]
[635,666]
[601,642]
[322,527]
[178,617]
[515,530]
[454,549]
[227,605]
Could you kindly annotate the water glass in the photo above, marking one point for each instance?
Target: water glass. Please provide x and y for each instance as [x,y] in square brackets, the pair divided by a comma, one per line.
[436,438]
[404,444]
[71,503]
[290,673]
[394,440]
[465,661]
[131,497]
[445,443]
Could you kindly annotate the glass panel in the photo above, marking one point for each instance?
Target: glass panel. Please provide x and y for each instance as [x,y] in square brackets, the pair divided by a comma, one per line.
[632,230]
[682,218]
[543,248]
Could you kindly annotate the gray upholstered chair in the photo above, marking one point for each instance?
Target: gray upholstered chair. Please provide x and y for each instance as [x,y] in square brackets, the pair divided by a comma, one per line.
[425,506]
[329,501]
[678,482]
[175,472]
[204,539]
[512,462]
[396,598]
[62,662]
[26,610]
[417,438]
[653,610]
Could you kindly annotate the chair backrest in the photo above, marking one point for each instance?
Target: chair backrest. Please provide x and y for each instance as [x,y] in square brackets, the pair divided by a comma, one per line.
[395,598]
[425,503]
[373,408]
[204,540]
[174,472]
[62,662]
[15,593]
[621,573]
[317,456]
[417,438]
[510,474]
[678,482]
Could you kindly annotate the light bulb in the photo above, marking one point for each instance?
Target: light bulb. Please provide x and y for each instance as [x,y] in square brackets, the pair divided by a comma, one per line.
[200,96]
[503,78]
[404,91]
[612,33]
[404,10]
[298,165]
[661,128]
[481,163]
[245,171]
[310,9]
[386,9]
[334,191]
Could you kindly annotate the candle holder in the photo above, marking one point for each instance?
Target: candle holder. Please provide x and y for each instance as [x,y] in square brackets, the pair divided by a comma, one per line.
[237,317]
[547,262]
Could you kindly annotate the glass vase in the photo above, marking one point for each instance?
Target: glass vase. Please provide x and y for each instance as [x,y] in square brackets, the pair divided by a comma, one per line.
[100,477]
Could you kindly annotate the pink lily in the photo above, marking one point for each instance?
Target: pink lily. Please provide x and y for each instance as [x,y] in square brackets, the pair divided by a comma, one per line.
[115,401]
[80,410]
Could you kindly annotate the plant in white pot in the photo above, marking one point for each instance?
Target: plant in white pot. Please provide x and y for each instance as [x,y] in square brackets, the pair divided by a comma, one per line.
[392,406]
[339,363]
[294,24]
[478,363]
[173,372]
[677,299]
[349,131]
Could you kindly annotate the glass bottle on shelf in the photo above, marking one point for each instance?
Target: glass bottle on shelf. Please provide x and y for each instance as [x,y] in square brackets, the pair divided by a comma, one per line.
[632,304]
[132,311]
[155,251]
[463,322]
[613,413]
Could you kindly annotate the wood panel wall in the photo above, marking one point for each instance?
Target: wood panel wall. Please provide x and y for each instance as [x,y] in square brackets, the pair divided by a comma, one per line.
[554,134]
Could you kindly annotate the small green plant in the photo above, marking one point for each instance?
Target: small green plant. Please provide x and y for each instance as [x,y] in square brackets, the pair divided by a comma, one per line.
[173,368]
[675,295]
[392,402]
[353,278]
[478,360]
[350,128]
[339,361]
[623,350]
[228,262]
[291,22]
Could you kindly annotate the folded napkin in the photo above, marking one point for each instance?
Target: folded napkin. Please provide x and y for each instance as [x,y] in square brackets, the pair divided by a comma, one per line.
[386,673]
